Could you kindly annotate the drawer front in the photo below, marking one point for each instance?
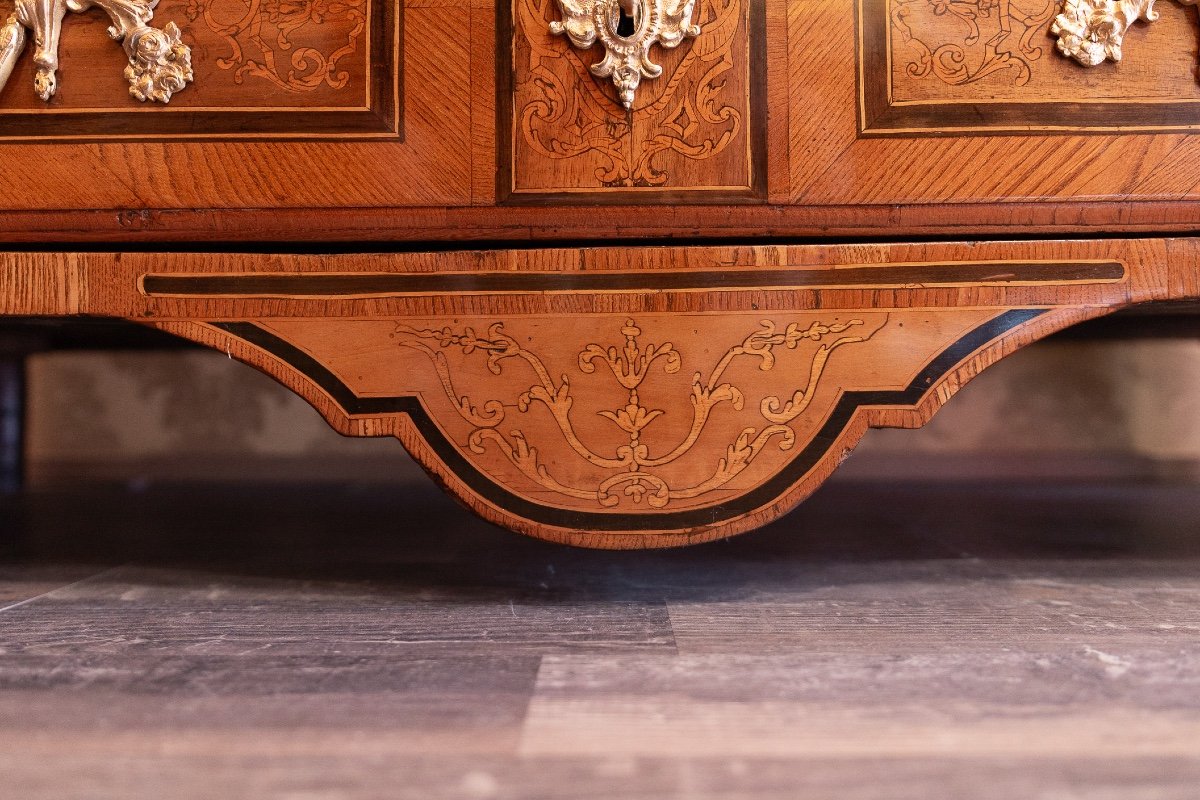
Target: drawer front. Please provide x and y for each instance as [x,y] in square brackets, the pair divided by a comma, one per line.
[695,133]
[464,118]
[289,104]
[936,68]
[260,70]
[934,102]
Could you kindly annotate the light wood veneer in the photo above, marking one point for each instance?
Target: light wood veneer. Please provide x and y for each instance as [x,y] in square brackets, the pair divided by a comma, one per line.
[963,190]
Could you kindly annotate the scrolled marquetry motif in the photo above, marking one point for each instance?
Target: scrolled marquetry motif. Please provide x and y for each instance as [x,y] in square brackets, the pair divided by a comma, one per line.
[288,64]
[998,36]
[1093,31]
[626,29]
[688,125]
[629,469]
[160,64]
[990,37]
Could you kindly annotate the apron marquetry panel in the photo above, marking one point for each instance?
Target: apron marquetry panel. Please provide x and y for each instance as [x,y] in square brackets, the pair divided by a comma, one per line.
[691,393]
[967,177]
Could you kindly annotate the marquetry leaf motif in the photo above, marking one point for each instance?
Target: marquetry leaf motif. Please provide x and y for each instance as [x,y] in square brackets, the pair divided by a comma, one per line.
[989,37]
[266,39]
[160,64]
[1001,36]
[630,470]
[568,115]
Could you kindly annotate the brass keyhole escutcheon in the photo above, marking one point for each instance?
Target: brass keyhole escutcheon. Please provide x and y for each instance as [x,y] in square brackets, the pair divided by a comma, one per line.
[627,29]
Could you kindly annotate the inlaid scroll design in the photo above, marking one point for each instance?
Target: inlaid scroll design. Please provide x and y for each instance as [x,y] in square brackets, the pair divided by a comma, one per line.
[695,115]
[160,64]
[1092,31]
[631,470]
[1088,31]
[261,40]
[993,36]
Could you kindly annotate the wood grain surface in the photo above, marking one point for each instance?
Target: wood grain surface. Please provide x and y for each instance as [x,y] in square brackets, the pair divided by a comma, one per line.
[564,136]
[904,640]
[1025,145]
[937,69]
[262,70]
[694,393]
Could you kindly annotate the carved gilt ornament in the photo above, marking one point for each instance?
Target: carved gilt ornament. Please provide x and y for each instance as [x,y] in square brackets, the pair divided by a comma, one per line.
[1092,31]
[159,63]
[627,29]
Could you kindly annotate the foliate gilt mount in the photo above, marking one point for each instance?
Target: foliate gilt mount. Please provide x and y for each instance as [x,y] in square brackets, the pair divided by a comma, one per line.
[159,63]
[1092,31]
[627,29]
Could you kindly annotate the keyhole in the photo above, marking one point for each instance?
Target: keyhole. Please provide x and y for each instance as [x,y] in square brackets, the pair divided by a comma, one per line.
[626,25]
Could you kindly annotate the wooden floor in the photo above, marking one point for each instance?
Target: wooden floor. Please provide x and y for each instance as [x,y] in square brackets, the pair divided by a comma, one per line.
[904,641]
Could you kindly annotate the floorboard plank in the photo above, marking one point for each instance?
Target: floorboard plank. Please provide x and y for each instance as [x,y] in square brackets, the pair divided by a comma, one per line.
[887,641]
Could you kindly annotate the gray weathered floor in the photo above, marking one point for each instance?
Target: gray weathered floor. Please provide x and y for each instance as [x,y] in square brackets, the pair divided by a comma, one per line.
[903,641]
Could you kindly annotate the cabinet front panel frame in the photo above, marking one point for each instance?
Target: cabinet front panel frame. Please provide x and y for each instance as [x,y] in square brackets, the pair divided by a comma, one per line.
[880,114]
[127,121]
[508,193]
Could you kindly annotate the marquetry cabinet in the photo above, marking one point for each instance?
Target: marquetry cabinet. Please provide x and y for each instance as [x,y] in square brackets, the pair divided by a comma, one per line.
[619,273]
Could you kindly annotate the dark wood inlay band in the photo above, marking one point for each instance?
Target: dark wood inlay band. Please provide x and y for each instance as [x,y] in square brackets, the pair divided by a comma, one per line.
[388,284]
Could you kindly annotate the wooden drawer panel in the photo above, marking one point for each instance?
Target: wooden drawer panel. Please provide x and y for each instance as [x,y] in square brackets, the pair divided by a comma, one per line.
[263,69]
[292,105]
[922,107]
[695,132]
[937,68]
[466,118]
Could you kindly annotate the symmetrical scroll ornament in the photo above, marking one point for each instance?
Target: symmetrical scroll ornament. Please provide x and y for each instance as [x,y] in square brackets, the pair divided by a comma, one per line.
[630,468]
[262,39]
[992,36]
[159,63]
[1092,31]
[694,116]
[627,29]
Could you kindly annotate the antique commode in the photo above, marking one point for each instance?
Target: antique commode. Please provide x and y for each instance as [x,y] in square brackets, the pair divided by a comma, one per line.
[619,273]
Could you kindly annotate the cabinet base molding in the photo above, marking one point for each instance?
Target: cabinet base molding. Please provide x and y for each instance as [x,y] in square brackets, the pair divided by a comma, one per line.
[624,397]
